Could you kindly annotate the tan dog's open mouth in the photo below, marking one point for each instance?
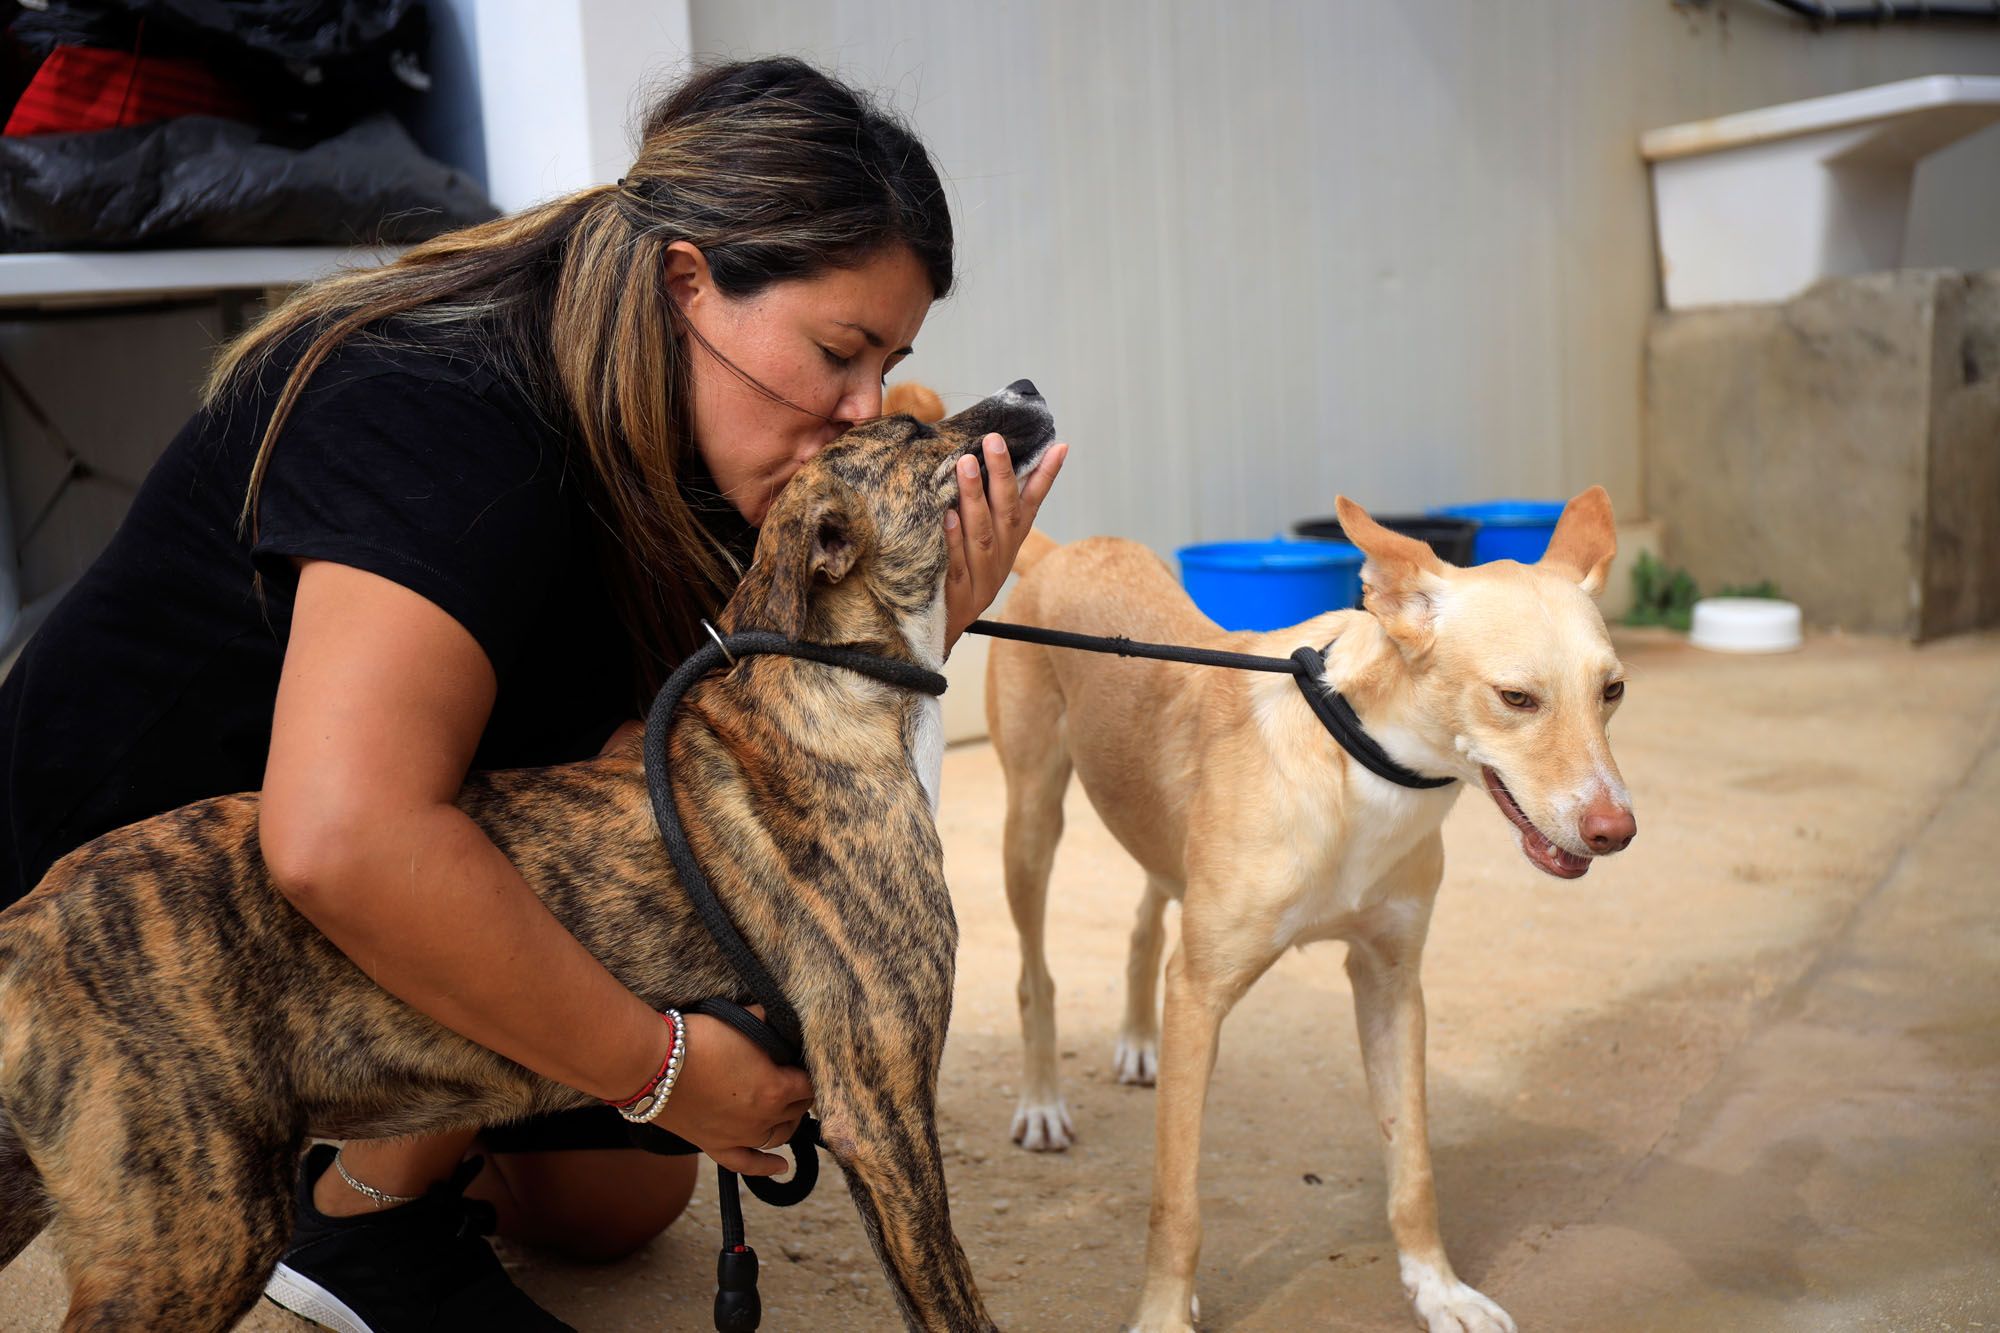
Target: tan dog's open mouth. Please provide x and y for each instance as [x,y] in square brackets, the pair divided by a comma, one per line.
[1535,844]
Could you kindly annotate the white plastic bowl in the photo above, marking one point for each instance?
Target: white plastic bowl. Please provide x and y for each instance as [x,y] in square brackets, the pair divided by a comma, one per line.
[1745,625]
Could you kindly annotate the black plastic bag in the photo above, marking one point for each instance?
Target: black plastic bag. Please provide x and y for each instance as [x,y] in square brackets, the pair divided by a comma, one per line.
[199,180]
[314,66]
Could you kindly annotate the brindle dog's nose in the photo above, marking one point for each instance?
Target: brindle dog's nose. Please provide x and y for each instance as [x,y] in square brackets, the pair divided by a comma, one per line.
[1026,388]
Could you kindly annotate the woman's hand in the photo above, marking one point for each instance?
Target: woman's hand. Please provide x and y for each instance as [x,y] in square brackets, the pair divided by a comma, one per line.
[731,1101]
[985,532]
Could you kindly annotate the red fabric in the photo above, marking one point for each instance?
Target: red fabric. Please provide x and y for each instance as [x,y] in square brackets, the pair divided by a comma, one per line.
[87,88]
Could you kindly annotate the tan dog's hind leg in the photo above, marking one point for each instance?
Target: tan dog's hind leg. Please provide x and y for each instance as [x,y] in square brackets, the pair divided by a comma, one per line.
[1206,976]
[1137,1058]
[1389,1011]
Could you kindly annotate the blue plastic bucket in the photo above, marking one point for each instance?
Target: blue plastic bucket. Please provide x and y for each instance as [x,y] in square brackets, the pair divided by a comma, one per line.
[1269,585]
[1508,529]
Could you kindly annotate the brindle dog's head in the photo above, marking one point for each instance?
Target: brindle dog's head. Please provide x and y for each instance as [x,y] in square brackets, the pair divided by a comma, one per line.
[853,549]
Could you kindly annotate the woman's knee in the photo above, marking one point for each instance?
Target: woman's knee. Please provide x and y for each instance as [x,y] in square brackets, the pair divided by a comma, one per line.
[594,1205]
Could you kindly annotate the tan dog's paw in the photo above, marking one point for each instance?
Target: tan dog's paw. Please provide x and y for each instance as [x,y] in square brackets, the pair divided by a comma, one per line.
[1137,1060]
[1194,1317]
[1446,1305]
[1043,1126]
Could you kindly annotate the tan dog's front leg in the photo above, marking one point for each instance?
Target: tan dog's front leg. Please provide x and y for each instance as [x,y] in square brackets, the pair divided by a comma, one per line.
[1389,1010]
[1203,985]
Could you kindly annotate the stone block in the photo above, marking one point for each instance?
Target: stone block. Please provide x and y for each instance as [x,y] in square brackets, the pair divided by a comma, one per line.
[1845,444]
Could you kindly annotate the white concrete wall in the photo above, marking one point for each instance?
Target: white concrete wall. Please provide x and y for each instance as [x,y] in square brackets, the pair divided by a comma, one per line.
[557,86]
[1256,253]
[1263,252]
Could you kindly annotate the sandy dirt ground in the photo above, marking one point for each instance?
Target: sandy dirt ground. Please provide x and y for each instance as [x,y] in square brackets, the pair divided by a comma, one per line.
[1744,1076]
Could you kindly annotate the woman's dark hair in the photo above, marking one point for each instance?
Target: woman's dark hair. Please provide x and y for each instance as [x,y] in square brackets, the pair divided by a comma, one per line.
[773,169]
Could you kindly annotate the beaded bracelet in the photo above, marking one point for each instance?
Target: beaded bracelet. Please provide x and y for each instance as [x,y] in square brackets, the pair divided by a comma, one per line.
[645,1105]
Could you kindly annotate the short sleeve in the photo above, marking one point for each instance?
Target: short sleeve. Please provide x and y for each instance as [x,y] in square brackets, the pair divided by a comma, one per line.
[432,483]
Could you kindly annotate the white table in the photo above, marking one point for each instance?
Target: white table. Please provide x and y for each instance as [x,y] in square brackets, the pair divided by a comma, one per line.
[71,279]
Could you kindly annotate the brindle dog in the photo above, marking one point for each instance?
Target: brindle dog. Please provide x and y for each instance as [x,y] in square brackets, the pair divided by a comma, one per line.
[171,1030]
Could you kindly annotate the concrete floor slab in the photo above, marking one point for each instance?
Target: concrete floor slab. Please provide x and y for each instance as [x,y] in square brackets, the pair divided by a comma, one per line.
[1741,1077]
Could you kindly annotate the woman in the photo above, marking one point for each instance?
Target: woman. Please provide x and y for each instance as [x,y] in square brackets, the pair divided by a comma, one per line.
[466,511]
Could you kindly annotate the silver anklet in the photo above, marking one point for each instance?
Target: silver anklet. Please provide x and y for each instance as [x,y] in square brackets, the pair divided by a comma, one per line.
[380,1198]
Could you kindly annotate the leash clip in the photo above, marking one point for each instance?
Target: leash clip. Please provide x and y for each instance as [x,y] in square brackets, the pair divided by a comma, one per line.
[727,655]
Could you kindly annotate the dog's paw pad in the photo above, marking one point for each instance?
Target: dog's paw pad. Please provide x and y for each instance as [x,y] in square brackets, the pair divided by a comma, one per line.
[1137,1061]
[1446,1305]
[1043,1126]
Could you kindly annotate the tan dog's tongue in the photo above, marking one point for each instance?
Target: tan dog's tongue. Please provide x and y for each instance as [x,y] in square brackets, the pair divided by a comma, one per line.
[1540,851]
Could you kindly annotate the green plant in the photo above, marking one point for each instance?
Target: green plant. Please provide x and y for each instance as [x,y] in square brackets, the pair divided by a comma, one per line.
[1661,595]
[1765,588]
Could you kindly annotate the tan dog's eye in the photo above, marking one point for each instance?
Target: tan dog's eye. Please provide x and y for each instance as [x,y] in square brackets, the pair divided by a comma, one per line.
[1614,691]
[1516,699]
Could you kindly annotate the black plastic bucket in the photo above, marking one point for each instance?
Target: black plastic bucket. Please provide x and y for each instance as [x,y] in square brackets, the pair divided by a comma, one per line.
[1451,538]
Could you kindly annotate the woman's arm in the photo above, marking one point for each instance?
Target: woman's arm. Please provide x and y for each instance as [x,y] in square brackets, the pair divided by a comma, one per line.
[381,704]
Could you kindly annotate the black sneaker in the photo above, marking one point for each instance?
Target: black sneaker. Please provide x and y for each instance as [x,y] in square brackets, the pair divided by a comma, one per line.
[423,1265]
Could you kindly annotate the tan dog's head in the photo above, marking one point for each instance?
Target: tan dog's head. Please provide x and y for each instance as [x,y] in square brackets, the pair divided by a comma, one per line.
[1514,676]
[853,549]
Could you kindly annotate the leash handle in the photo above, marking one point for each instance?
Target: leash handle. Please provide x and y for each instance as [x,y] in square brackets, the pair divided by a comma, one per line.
[738,1307]
[804,1142]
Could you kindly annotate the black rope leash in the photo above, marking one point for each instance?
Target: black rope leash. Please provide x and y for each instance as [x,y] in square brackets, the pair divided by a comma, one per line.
[1306,665]
[779,1035]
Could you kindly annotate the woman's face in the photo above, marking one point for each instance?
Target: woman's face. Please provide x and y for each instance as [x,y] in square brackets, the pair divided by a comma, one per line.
[824,343]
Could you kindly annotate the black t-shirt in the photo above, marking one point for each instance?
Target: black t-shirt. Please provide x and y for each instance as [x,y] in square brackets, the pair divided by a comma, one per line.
[152,683]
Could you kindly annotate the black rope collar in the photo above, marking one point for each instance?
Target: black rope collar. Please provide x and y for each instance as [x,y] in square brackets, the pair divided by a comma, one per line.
[1306,665]
[779,1034]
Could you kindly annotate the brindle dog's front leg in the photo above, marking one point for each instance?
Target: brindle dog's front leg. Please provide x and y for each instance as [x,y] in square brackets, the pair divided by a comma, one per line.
[877,1106]
[1389,1011]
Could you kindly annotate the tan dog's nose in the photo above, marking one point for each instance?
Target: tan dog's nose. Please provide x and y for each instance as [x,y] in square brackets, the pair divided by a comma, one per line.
[1608,827]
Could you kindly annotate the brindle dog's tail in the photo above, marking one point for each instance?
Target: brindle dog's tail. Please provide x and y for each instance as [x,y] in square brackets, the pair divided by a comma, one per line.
[24,1204]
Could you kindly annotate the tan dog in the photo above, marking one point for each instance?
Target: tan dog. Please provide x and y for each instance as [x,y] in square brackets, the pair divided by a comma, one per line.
[171,1029]
[1236,802]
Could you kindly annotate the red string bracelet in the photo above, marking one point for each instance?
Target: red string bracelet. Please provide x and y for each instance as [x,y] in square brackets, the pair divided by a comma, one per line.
[673,1039]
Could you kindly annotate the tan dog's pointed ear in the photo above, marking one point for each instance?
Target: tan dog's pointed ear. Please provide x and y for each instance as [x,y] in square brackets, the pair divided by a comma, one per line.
[1402,578]
[913,399]
[818,540]
[1585,540]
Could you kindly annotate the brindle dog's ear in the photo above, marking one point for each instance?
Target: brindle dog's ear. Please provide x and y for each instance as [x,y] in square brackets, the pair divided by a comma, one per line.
[832,546]
[819,540]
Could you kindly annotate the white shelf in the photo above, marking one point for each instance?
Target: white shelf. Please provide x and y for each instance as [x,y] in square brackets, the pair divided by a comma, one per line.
[61,279]
[1760,205]
[1952,103]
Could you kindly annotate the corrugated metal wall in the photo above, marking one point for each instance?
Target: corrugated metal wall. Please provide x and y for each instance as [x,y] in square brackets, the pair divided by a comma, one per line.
[1258,253]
